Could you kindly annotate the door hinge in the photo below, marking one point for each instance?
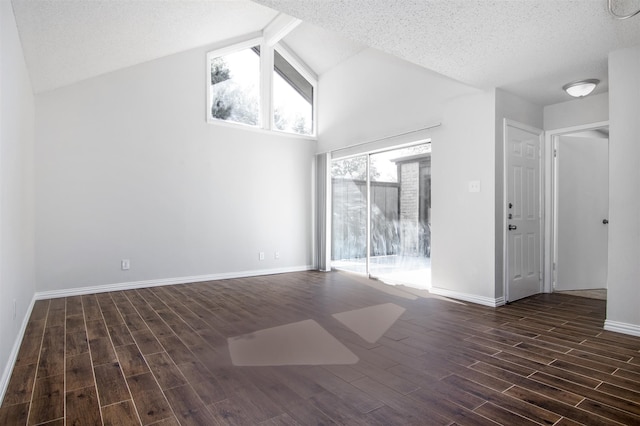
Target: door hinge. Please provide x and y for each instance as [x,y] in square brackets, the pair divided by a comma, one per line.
[555,153]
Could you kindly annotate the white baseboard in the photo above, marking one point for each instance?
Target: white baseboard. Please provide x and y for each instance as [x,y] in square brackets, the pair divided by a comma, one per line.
[165,281]
[622,327]
[480,300]
[13,356]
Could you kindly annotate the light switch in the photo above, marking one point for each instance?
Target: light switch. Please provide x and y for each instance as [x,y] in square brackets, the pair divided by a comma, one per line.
[474,186]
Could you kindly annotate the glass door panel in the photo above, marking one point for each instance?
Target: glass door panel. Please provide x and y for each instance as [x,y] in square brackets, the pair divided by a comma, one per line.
[397,198]
[349,214]
[400,190]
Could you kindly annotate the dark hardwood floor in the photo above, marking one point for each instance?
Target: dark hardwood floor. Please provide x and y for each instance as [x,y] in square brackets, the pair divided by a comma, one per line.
[159,356]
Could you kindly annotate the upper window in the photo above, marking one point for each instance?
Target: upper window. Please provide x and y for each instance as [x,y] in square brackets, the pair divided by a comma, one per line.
[235,87]
[239,92]
[292,98]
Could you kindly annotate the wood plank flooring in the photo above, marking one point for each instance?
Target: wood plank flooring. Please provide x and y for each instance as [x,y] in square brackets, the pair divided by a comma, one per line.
[159,356]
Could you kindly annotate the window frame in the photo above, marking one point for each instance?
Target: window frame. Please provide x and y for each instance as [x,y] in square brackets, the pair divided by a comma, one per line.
[236,47]
[266,106]
[305,72]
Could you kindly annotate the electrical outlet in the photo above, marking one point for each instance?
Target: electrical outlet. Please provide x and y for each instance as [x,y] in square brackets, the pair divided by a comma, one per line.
[474,186]
[261,255]
[276,255]
[125,264]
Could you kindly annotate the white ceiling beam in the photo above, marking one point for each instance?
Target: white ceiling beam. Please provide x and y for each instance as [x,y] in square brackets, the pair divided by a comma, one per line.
[279,28]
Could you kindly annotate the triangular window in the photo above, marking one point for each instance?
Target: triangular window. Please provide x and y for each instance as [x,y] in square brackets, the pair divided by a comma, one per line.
[241,93]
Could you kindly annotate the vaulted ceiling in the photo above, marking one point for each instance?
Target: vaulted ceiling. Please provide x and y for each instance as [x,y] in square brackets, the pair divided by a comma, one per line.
[66,41]
[528,47]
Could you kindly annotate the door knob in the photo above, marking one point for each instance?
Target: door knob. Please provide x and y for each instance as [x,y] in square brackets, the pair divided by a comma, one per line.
[512,227]
[605,221]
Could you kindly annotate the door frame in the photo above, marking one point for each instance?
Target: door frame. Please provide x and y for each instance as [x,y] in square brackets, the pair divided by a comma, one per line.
[551,193]
[505,211]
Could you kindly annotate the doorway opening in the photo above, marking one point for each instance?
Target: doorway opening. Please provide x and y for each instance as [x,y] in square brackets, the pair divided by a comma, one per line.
[581,210]
[381,215]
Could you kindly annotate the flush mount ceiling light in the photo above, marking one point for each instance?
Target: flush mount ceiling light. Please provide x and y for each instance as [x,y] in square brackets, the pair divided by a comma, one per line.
[579,89]
[620,17]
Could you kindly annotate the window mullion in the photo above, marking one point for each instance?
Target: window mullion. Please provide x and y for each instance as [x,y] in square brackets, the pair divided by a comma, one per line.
[257,86]
[266,86]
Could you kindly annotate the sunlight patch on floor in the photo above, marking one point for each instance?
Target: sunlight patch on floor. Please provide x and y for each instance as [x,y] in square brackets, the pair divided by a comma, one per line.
[600,293]
[398,289]
[389,289]
[426,295]
[372,322]
[299,343]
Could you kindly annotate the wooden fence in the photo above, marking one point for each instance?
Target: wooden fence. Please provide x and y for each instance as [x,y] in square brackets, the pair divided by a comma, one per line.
[349,219]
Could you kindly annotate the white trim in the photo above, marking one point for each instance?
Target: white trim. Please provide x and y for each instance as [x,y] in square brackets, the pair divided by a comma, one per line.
[266,109]
[306,72]
[505,210]
[368,205]
[279,27]
[322,203]
[13,356]
[285,51]
[266,86]
[165,281]
[622,327]
[550,194]
[235,47]
[250,128]
[385,143]
[328,213]
[480,300]
[579,128]
[379,150]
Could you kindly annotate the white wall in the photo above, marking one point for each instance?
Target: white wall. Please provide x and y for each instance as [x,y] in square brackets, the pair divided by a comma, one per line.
[467,254]
[16,189]
[374,95]
[623,297]
[463,224]
[576,112]
[127,167]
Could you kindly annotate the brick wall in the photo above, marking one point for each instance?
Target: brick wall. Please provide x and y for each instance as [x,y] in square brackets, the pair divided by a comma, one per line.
[409,209]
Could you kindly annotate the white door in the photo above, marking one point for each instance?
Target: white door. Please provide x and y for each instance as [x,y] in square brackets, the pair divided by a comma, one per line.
[582,204]
[522,162]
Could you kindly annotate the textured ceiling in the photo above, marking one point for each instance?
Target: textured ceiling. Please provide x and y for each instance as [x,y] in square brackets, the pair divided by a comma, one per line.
[320,49]
[529,47]
[68,41]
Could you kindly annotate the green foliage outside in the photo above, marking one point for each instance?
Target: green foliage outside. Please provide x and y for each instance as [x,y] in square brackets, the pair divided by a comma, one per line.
[232,101]
[353,168]
[229,100]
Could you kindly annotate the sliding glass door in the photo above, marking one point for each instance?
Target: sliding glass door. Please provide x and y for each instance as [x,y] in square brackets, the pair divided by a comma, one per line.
[382,215]
[349,216]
